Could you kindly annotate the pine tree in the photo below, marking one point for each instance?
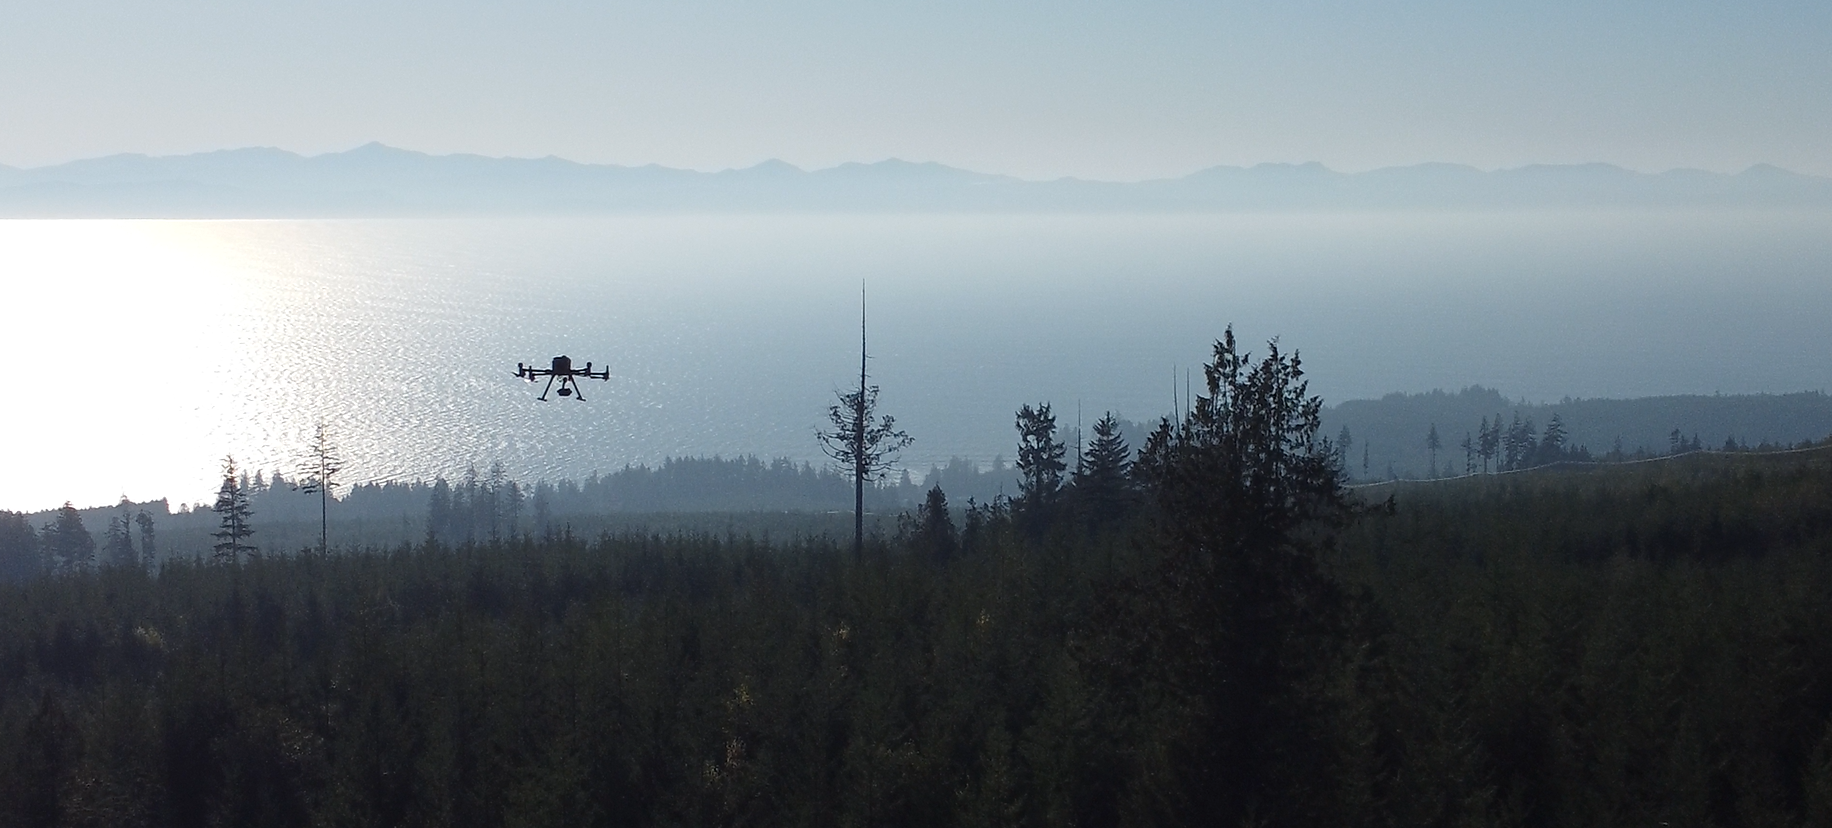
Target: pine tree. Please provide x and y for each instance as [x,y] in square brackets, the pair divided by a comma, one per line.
[1469,454]
[232,512]
[1040,454]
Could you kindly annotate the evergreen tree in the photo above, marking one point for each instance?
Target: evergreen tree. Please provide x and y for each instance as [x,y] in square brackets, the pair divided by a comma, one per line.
[70,545]
[1488,441]
[118,541]
[511,501]
[439,511]
[543,507]
[934,533]
[490,507]
[1552,445]
[232,512]
[1432,443]
[1512,451]
[19,557]
[1103,476]
[149,553]
[320,478]
[1469,454]
[860,443]
[1344,442]
[1246,614]
[1040,454]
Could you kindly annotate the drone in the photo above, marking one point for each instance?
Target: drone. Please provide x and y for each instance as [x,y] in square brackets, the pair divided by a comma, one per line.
[563,371]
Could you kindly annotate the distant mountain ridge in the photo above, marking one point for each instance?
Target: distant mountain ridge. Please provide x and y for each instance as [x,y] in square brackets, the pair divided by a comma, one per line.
[378,180]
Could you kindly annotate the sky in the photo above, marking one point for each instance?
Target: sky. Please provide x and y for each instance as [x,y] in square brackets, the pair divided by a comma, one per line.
[1117,91]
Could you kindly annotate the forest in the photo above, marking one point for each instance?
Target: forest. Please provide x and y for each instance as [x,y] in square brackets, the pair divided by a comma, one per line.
[1207,628]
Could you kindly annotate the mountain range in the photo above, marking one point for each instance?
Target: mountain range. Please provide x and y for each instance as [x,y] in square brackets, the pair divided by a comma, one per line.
[378,180]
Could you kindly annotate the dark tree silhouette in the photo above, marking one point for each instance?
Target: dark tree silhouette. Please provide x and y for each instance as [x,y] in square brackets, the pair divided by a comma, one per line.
[19,559]
[149,552]
[118,541]
[933,532]
[1246,613]
[232,513]
[1103,481]
[1488,441]
[863,445]
[70,545]
[439,511]
[1040,464]
[1432,444]
[319,477]
[1552,445]
[1344,442]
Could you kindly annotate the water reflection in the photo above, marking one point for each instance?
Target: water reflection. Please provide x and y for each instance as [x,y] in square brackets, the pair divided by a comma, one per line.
[138,353]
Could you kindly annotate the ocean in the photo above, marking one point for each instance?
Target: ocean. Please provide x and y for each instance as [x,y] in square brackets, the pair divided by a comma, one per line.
[138,354]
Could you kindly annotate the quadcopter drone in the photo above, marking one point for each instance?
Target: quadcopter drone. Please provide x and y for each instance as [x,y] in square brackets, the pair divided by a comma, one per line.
[563,371]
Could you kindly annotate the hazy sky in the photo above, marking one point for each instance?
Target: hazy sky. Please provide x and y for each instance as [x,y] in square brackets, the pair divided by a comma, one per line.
[1102,90]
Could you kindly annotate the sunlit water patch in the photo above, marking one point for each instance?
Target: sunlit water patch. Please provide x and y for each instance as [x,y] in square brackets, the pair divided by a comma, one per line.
[139,353]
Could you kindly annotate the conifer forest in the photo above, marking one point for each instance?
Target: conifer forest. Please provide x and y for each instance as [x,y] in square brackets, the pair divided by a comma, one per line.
[1216,619]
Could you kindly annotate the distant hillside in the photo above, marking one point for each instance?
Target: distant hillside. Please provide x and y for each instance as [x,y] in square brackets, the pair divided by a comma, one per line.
[1393,428]
[376,180]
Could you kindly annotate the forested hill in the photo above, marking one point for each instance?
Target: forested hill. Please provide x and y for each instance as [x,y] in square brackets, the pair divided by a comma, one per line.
[1391,432]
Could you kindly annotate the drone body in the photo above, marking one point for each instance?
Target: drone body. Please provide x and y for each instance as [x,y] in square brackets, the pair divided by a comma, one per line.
[565,373]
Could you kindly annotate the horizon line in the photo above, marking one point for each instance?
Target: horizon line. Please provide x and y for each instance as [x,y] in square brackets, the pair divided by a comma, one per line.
[779,162]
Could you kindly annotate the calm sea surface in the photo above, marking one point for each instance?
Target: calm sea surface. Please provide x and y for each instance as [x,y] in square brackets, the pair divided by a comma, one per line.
[138,353]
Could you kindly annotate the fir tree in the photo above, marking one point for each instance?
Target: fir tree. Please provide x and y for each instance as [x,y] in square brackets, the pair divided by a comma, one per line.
[232,513]
[934,533]
[1103,476]
[1040,454]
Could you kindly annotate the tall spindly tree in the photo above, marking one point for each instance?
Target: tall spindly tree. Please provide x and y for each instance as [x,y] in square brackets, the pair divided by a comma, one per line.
[319,477]
[862,443]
